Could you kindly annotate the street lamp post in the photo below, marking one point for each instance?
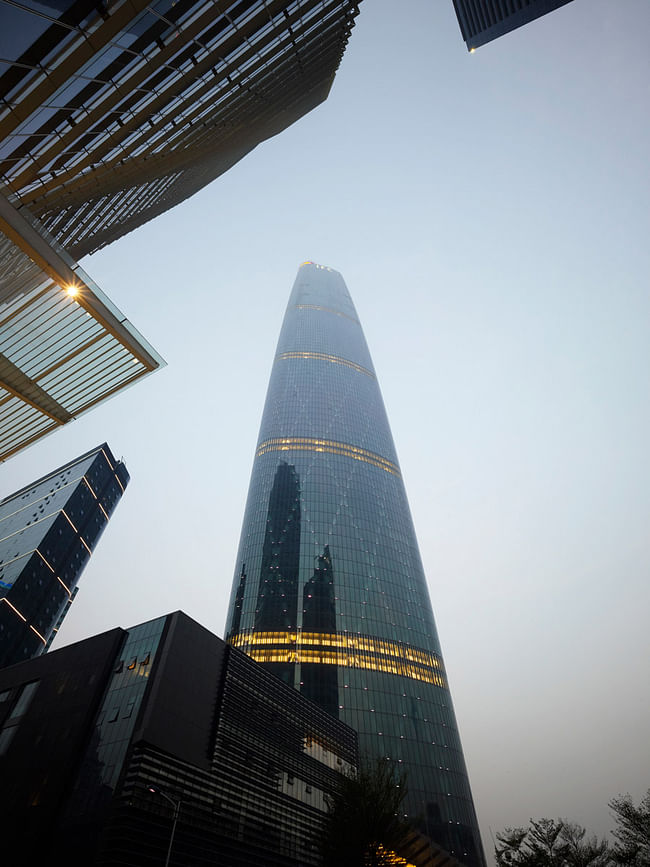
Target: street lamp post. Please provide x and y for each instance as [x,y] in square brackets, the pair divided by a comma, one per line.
[177,808]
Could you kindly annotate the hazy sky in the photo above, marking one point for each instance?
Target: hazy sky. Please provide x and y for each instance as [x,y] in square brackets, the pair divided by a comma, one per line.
[489,213]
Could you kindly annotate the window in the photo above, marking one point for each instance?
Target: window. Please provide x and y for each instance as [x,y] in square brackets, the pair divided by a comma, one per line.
[24,701]
[5,738]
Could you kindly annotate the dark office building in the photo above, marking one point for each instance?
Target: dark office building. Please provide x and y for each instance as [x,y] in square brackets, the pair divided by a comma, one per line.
[88,730]
[48,530]
[482,21]
[329,591]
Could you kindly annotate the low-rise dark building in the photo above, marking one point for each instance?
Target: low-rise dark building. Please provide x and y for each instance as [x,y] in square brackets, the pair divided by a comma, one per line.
[104,742]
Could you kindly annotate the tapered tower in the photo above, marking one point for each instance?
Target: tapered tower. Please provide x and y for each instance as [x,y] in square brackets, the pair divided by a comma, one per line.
[329,590]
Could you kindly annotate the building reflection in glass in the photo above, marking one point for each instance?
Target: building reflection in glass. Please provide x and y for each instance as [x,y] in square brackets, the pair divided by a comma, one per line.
[277,596]
[319,682]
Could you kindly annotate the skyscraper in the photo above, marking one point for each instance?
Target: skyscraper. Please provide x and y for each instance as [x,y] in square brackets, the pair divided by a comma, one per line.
[329,591]
[482,21]
[48,531]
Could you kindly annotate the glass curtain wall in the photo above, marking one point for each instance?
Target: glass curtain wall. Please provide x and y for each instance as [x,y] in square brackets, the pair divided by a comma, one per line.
[329,589]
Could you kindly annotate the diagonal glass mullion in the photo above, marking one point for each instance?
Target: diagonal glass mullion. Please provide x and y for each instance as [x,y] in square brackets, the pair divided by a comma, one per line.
[6,451]
[82,365]
[51,350]
[82,399]
[23,416]
[48,308]
[118,371]
[92,379]
[47,338]
[84,386]
[26,304]
[124,384]
[68,358]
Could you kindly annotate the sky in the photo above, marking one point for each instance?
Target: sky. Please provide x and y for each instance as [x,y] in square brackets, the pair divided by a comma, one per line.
[489,213]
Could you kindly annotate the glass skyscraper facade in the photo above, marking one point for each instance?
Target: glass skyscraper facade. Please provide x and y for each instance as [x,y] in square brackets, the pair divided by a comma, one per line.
[48,531]
[329,590]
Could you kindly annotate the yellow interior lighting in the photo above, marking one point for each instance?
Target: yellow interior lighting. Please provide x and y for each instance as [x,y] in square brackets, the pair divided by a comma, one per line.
[323,356]
[345,650]
[310,444]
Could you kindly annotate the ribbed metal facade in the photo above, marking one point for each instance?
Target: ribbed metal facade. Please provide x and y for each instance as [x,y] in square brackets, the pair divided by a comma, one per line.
[64,347]
[482,21]
[329,591]
[112,113]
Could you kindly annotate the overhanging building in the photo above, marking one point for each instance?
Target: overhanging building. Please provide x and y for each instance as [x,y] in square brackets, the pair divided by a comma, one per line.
[48,531]
[482,21]
[329,591]
[111,113]
[64,346]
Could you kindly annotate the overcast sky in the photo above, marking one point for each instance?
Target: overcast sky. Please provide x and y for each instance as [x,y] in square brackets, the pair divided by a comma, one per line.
[489,213]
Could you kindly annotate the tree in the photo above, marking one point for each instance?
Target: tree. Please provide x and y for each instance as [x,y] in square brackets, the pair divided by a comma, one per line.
[550,843]
[538,845]
[364,822]
[632,832]
[583,851]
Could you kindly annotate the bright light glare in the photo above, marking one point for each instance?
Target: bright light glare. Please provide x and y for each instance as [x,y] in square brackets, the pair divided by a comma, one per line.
[72,290]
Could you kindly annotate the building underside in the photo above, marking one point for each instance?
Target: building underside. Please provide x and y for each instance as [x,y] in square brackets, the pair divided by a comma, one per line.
[114,113]
[481,21]
[111,113]
[64,347]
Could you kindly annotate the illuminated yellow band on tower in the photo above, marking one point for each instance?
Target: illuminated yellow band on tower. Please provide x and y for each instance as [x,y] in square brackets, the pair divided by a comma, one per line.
[335,359]
[326,310]
[344,650]
[308,444]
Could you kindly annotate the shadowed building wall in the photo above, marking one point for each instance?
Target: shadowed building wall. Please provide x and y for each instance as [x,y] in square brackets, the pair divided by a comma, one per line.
[87,730]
